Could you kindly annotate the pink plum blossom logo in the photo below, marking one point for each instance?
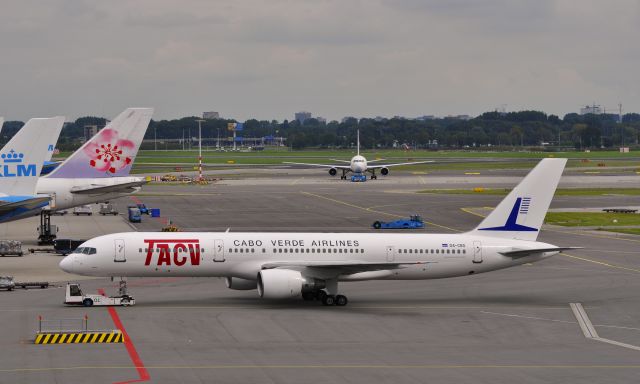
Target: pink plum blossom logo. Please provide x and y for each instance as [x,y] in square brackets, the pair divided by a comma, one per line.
[109,153]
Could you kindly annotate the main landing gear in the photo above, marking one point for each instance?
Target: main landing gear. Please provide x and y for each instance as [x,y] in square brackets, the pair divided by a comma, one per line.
[327,296]
[373,175]
[344,175]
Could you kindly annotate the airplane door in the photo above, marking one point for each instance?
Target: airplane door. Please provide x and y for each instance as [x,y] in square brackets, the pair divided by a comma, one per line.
[119,251]
[391,253]
[477,252]
[218,251]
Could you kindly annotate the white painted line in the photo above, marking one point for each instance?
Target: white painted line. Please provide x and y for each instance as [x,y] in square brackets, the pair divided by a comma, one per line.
[589,330]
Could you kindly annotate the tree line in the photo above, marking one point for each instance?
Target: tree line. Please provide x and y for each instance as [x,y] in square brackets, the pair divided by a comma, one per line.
[513,129]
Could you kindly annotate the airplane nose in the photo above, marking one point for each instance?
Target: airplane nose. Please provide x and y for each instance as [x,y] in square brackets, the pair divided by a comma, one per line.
[66,264]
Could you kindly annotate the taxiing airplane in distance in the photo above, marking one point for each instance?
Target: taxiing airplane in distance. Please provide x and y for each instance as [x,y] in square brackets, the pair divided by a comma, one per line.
[310,265]
[99,170]
[359,166]
[21,161]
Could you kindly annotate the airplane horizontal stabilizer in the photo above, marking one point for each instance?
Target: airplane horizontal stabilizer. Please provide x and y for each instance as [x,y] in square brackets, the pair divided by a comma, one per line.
[99,189]
[528,252]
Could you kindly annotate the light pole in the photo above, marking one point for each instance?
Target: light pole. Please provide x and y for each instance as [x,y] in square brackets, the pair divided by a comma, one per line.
[155,139]
[200,149]
[218,141]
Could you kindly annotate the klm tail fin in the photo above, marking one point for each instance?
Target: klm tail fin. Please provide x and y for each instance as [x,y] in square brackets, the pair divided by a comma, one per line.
[22,158]
[521,213]
[112,151]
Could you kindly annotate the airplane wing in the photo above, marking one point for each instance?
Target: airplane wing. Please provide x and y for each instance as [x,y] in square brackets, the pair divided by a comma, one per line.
[376,166]
[342,161]
[12,204]
[344,267]
[528,252]
[95,189]
[321,165]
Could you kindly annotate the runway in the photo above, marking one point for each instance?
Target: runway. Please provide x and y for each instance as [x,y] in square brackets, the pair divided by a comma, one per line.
[505,326]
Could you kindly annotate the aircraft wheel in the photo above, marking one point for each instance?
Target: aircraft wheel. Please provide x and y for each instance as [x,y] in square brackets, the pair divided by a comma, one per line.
[307,296]
[87,302]
[341,300]
[377,225]
[328,300]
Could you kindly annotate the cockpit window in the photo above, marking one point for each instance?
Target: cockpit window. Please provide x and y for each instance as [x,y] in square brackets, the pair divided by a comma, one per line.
[79,250]
[86,250]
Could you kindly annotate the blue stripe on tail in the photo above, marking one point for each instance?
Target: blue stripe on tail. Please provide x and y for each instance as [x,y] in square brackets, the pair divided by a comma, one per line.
[511,224]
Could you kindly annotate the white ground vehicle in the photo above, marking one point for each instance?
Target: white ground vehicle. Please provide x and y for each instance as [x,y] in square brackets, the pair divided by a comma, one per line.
[83,210]
[75,296]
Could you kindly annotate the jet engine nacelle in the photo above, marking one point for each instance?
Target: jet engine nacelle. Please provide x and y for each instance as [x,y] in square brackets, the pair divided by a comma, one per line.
[384,171]
[285,283]
[333,171]
[240,284]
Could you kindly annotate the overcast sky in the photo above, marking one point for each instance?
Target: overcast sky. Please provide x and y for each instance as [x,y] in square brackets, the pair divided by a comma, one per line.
[334,58]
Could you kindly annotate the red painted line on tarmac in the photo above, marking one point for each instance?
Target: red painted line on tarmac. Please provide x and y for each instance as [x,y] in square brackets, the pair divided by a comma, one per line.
[133,354]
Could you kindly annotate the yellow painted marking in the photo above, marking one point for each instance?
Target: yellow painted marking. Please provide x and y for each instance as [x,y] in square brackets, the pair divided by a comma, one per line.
[95,337]
[296,181]
[472,173]
[71,337]
[332,366]
[372,210]
[54,339]
[420,173]
[46,339]
[592,172]
[62,338]
[102,337]
[468,210]
[38,339]
[421,180]
[110,338]
[86,338]
[601,263]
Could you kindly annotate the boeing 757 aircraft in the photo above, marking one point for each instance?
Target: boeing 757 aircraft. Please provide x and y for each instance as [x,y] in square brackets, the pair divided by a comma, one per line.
[22,158]
[310,265]
[358,165]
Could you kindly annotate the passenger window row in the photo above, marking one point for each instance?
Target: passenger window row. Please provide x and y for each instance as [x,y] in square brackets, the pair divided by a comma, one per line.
[433,251]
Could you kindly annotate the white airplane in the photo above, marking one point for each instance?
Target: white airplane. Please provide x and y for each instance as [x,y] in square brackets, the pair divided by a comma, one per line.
[310,265]
[22,159]
[99,170]
[358,165]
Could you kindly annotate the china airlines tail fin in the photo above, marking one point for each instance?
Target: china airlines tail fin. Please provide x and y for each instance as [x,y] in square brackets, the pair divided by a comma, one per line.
[22,158]
[521,213]
[111,151]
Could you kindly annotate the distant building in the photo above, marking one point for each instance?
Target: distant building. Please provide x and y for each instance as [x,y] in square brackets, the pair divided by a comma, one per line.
[210,115]
[425,117]
[302,116]
[594,109]
[90,131]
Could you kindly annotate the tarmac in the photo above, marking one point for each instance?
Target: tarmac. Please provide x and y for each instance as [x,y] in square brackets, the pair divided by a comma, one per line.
[514,325]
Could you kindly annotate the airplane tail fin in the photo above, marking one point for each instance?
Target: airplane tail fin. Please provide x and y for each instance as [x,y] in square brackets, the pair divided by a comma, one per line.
[111,151]
[358,142]
[521,213]
[1,122]
[22,157]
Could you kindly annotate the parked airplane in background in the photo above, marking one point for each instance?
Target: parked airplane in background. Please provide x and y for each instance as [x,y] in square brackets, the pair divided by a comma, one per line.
[359,166]
[310,265]
[99,170]
[48,165]
[22,158]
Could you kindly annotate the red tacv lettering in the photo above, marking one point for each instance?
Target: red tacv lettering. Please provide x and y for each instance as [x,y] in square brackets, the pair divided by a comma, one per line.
[165,248]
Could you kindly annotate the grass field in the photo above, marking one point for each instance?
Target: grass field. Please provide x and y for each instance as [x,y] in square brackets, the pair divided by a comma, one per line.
[559,192]
[592,219]
[166,161]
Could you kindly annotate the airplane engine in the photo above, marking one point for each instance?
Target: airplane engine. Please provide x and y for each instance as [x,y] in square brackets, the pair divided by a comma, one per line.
[240,284]
[384,171]
[285,283]
[333,171]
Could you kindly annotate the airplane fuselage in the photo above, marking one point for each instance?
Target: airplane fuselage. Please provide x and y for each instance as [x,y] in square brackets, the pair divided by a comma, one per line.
[62,190]
[358,164]
[243,255]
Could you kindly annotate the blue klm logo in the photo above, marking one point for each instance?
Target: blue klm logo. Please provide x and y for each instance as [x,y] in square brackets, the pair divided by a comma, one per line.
[13,166]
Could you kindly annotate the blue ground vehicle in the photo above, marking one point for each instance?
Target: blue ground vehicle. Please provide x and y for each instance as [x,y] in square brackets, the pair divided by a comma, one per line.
[359,177]
[134,215]
[143,209]
[414,221]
